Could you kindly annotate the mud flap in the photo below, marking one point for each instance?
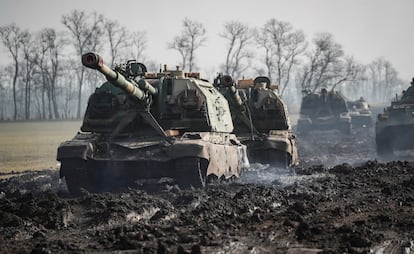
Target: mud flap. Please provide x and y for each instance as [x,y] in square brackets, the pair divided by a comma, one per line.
[190,171]
[243,158]
[76,175]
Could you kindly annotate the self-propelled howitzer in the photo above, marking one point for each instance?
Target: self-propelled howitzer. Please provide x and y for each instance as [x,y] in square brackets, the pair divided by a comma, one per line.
[261,120]
[394,128]
[324,110]
[141,127]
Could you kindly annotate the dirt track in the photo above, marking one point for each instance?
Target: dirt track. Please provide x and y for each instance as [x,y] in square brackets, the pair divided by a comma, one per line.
[358,206]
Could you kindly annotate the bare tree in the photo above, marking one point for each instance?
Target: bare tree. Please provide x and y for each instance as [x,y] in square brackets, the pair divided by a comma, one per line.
[239,37]
[327,65]
[68,96]
[49,62]
[44,85]
[12,38]
[282,46]
[329,53]
[348,71]
[86,30]
[378,82]
[192,37]
[37,89]
[30,55]
[138,44]
[117,38]
[181,44]
[383,80]
[263,40]
[3,93]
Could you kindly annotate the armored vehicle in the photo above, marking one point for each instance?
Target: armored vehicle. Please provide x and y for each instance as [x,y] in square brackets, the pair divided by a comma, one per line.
[141,126]
[260,119]
[394,128]
[360,112]
[326,110]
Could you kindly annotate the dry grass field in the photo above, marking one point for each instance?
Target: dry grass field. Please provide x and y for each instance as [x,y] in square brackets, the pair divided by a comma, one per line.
[32,145]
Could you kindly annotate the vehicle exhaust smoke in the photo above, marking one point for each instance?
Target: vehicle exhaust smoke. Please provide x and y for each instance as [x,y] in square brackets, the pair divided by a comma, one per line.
[265,174]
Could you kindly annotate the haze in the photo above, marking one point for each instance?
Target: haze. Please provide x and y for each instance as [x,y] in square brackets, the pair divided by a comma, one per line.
[367,29]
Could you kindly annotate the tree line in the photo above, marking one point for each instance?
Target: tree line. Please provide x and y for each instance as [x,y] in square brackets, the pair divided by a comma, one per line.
[45,79]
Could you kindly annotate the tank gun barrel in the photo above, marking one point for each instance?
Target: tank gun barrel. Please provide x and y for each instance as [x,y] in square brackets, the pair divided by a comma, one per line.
[242,112]
[227,81]
[139,90]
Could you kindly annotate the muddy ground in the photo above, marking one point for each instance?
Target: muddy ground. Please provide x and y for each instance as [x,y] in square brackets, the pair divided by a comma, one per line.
[338,200]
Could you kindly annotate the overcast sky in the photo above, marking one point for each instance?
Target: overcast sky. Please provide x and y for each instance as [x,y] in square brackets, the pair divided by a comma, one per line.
[367,29]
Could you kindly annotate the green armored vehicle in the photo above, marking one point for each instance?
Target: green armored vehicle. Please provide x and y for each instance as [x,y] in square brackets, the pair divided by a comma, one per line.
[360,112]
[260,120]
[141,126]
[326,110]
[394,128]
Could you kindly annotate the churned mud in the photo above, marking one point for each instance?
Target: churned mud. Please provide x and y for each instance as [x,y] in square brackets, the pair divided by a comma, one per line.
[340,199]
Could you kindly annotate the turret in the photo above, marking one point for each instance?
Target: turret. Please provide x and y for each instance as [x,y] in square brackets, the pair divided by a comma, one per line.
[138,88]
[239,106]
[172,100]
[261,120]
[226,82]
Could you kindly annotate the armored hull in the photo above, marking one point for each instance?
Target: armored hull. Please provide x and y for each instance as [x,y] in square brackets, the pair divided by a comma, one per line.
[90,162]
[394,129]
[341,123]
[324,111]
[394,137]
[261,120]
[277,148]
